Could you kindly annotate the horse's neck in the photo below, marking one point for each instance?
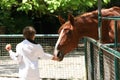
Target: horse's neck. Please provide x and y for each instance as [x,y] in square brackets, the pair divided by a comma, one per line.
[88,28]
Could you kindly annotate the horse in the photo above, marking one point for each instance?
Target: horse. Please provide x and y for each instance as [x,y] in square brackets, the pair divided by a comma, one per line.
[75,28]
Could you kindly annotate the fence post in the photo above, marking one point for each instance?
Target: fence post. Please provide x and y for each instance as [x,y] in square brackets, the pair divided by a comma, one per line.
[99,21]
[92,60]
[116,68]
[86,60]
[100,38]
[101,66]
[115,59]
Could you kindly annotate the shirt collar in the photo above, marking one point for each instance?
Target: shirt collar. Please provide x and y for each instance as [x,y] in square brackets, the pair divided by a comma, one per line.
[32,41]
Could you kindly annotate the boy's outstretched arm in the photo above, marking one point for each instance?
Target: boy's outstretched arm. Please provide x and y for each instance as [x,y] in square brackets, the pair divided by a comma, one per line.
[13,55]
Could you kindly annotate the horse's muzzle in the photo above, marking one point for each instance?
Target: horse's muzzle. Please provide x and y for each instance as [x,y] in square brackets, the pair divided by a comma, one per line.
[60,55]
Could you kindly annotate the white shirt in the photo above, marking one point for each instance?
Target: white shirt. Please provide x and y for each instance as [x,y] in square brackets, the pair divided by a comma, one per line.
[27,54]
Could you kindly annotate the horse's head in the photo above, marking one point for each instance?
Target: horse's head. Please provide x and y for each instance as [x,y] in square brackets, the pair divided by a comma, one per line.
[67,40]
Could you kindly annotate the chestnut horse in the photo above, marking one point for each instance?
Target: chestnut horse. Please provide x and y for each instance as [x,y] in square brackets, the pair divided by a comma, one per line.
[80,26]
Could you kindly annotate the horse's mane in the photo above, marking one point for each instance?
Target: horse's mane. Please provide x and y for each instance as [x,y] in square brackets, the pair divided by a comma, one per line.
[89,13]
[92,14]
[95,12]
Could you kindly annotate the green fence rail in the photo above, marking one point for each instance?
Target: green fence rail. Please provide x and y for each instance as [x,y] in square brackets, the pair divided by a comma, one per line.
[50,70]
[107,60]
[46,40]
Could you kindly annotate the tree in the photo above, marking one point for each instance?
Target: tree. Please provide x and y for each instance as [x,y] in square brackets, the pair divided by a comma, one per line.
[38,8]
[52,6]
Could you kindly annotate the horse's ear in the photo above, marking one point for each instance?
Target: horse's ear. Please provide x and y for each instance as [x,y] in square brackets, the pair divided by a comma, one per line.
[61,20]
[71,18]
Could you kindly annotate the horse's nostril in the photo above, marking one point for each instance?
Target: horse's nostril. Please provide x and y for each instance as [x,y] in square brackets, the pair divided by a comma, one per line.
[60,56]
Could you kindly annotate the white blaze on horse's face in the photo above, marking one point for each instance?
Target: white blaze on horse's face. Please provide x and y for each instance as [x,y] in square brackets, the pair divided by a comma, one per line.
[57,43]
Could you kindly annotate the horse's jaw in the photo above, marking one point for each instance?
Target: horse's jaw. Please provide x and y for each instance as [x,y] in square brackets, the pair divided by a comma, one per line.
[58,54]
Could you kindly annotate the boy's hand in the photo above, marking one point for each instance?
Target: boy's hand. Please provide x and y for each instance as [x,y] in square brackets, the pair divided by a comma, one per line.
[8,47]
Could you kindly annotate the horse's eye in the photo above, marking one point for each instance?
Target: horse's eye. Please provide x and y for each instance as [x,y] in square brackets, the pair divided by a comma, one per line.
[69,32]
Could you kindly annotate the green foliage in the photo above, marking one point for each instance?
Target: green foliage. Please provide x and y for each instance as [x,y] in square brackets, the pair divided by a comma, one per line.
[71,5]
[5,12]
[33,5]
[37,8]
[7,4]
[5,19]
[106,1]
[49,6]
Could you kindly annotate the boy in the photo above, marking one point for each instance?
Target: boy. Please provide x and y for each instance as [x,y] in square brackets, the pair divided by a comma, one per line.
[27,53]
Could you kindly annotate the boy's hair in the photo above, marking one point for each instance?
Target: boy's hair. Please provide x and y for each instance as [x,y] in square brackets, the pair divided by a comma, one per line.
[29,32]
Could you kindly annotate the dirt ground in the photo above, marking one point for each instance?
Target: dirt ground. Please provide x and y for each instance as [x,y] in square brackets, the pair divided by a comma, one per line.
[71,68]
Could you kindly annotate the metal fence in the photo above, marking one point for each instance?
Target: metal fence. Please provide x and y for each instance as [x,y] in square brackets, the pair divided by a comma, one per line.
[71,67]
[47,41]
[102,60]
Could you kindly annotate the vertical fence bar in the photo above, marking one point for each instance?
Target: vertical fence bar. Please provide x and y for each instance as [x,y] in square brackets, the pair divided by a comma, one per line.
[115,59]
[115,35]
[100,38]
[101,65]
[85,49]
[92,60]
[99,20]
[116,68]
